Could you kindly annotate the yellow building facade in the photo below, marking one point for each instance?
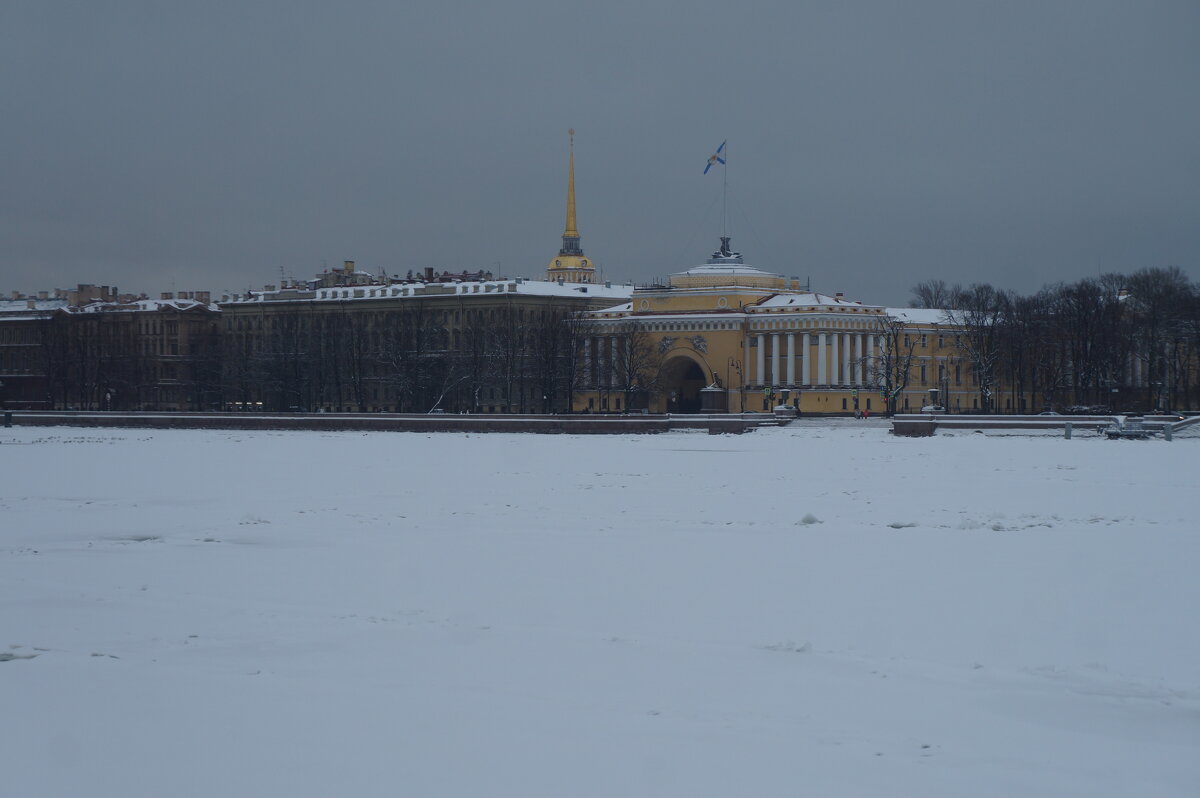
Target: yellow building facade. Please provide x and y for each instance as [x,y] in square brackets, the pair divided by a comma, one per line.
[727,337]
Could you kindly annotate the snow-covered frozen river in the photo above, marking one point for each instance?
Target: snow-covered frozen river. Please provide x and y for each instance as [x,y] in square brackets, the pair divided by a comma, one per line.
[812,610]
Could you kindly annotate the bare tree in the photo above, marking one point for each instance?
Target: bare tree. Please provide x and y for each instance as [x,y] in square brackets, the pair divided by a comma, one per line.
[979,313]
[933,294]
[1158,298]
[891,367]
[637,365]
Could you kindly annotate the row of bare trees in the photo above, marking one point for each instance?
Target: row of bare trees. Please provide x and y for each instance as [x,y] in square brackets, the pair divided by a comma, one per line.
[95,361]
[513,358]
[1117,341]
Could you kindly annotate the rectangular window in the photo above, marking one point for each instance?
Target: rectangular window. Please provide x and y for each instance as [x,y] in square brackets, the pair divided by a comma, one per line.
[923,381]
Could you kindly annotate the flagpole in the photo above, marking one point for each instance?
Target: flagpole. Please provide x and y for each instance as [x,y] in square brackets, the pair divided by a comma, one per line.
[724,191]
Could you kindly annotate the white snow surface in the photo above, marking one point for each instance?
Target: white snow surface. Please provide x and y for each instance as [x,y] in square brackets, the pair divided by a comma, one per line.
[815,610]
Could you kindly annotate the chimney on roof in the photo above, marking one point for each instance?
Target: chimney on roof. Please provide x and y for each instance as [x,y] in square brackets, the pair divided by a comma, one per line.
[43,294]
[166,295]
[838,296]
[202,296]
[348,266]
[429,274]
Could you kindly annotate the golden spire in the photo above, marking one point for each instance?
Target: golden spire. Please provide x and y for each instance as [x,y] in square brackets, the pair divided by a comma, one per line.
[571,231]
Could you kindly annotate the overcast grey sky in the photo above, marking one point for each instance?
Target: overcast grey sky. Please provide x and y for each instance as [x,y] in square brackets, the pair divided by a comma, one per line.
[210,145]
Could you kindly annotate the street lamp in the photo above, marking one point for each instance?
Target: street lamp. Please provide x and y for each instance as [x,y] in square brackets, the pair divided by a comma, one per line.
[736,365]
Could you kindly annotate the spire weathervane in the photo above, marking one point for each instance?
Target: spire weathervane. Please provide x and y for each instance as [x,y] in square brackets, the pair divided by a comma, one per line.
[571,265]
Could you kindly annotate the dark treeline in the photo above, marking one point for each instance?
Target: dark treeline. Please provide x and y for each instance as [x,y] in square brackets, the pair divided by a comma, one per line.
[1116,341]
[416,358]
[116,361]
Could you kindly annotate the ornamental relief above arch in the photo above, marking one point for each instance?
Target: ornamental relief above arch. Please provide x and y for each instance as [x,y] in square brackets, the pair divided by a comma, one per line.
[698,342]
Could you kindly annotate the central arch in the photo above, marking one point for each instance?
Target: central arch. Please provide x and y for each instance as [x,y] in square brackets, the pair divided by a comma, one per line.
[682,379]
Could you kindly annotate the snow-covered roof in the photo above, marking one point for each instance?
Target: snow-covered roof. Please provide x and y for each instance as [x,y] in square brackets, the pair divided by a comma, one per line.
[547,288]
[724,270]
[626,308]
[809,299]
[23,305]
[920,315]
[481,288]
[140,305]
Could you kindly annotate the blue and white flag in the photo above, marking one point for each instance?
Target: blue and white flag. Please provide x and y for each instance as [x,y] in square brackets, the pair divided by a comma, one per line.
[715,158]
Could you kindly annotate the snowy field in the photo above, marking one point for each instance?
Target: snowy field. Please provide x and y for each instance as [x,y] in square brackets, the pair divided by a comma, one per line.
[815,610]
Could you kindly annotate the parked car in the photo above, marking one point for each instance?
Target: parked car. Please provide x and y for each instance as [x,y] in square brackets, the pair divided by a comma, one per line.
[933,409]
[1049,413]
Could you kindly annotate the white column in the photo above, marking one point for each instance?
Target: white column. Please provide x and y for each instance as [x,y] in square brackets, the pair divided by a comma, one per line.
[774,358]
[865,348]
[805,361]
[846,377]
[868,358]
[821,359]
[862,360]
[835,360]
[791,357]
[760,360]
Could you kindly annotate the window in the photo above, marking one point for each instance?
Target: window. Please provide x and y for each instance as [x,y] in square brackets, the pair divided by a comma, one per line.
[941,342]
[923,380]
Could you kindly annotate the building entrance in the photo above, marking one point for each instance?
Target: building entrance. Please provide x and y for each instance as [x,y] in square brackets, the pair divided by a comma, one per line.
[683,381]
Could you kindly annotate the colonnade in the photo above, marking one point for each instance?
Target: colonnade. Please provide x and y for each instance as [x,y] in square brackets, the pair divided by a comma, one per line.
[602,357]
[823,359]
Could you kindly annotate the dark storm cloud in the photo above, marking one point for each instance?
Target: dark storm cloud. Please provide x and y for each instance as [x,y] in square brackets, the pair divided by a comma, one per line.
[872,145]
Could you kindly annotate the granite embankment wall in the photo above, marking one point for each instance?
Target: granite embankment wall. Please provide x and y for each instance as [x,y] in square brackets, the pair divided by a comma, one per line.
[390,422]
